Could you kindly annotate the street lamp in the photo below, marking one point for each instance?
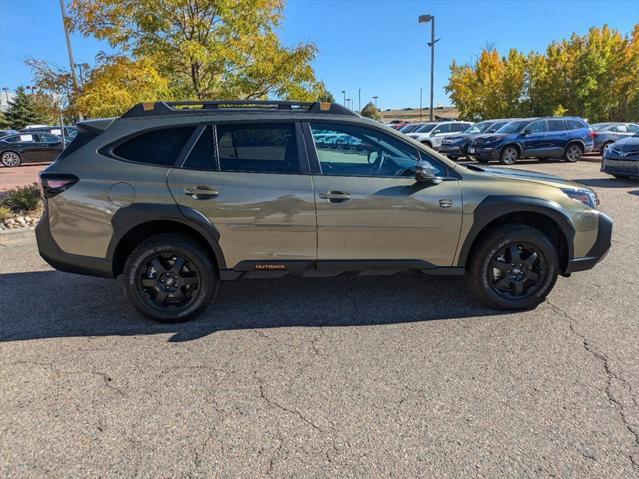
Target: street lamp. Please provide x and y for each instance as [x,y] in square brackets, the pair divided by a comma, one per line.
[6,93]
[420,104]
[344,93]
[359,100]
[431,44]
[375,98]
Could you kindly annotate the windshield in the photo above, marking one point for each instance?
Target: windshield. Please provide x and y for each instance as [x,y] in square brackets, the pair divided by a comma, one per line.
[495,126]
[513,126]
[601,126]
[409,128]
[425,128]
[478,127]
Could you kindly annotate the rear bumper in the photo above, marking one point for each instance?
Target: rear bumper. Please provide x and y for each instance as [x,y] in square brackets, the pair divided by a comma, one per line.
[69,263]
[598,251]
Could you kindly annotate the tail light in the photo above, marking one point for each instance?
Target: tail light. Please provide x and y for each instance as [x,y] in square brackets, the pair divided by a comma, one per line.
[52,184]
[594,134]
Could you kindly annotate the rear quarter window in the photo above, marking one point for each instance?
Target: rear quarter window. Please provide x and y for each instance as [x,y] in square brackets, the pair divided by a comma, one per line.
[574,124]
[160,147]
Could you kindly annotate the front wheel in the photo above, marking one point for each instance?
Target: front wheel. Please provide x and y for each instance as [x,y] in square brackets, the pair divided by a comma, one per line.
[170,278]
[513,267]
[11,158]
[573,153]
[604,147]
[509,155]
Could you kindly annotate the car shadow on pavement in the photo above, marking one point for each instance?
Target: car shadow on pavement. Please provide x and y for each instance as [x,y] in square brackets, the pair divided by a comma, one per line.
[50,304]
[611,182]
[634,192]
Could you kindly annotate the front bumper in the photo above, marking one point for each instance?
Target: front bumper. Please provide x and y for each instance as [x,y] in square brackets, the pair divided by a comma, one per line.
[598,251]
[67,262]
[452,150]
[484,153]
[620,166]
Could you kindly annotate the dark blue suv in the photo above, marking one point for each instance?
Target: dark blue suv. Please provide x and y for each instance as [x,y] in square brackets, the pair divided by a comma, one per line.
[568,138]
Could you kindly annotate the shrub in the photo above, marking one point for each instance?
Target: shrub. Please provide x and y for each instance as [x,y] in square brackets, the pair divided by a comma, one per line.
[25,198]
[5,213]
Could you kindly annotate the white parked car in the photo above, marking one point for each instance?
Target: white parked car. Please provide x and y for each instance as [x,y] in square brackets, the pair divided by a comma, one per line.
[431,134]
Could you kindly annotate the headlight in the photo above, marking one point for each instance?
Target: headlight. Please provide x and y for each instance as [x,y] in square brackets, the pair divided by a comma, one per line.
[587,197]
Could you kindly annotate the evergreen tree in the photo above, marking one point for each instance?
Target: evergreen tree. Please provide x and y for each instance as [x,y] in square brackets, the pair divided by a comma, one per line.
[23,111]
[371,111]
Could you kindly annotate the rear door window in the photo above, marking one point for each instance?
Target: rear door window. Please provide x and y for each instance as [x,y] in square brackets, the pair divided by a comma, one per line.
[160,147]
[202,155]
[574,125]
[258,148]
[556,125]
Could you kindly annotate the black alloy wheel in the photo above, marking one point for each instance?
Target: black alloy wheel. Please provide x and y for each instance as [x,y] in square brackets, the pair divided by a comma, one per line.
[516,271]
[169,280]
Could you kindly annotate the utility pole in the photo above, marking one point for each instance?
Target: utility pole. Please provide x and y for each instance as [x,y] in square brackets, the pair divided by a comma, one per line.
[344,93]
[359,100]
[431,44]
[69,49]
[420,103]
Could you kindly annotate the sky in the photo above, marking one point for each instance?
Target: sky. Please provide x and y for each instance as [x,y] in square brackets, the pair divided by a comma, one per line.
[375,45]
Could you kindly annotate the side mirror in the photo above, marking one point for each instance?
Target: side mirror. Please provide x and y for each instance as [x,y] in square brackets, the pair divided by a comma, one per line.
[426,173]
[527,131]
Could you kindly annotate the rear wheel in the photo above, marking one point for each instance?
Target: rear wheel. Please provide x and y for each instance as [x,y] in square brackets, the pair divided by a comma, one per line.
[509,155]
[427,143]
[10,158]
[513,267]
[170,278]
[573,152]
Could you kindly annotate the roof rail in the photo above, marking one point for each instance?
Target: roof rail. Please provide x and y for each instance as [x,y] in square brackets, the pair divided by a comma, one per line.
[160,108]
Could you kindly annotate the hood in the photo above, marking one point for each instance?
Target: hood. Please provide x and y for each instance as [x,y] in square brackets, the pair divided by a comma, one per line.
[489,137]
[461,136]
[627,144]
[525,175]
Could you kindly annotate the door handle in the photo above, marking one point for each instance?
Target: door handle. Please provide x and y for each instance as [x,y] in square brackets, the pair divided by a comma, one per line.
[201,192]
[335,196]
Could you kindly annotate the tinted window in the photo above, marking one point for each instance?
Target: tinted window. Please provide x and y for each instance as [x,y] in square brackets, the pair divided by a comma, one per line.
[574,124]
[619,129]
[513,126]
[495,126]
[157,147]
[12,139]
[556,125]
[426,128]
[258,148]
[48,138]
[445,128]
[202,156]
[348,150]
[538,126]
[633,128]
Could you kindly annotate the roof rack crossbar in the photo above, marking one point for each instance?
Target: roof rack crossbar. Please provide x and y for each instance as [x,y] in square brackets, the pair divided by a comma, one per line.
[181,107]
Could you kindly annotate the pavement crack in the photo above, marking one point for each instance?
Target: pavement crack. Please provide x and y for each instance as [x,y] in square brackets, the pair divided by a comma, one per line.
[610,376]
[294,412]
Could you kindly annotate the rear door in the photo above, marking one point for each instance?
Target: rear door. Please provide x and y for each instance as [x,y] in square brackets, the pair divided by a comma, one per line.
[29,144]
[369,206]
[50,146]
[251,180]
[556,138]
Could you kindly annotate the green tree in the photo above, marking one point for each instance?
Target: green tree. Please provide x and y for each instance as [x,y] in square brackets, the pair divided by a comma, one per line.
[371,111]
[325,95]
[207,48]
[23,110]
[4,123]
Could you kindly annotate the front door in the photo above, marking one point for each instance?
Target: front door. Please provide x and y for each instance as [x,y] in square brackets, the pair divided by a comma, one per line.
[534,139]
[249,180]
[369,206]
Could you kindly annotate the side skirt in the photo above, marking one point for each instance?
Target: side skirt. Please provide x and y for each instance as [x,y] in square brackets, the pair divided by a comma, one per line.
[332,268]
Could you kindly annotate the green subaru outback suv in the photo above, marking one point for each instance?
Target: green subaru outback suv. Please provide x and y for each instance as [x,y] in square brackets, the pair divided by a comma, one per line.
[178,196]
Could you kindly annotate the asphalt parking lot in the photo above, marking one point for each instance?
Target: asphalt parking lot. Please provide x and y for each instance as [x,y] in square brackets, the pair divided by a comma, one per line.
[399,376]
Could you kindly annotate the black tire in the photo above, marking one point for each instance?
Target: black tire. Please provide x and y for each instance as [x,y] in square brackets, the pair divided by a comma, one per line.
[181,279]
[493,279]
[604,147]
[573,152]
[509,155]
[482,160]
[10,159]
[621,177]
[428,144]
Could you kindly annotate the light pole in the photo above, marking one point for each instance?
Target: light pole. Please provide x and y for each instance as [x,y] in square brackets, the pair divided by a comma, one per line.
[375,98]
[68,38]
[359,100]
[431,44]
[420,103]
[80,67]
[349,102]
[6,93]
[344,93]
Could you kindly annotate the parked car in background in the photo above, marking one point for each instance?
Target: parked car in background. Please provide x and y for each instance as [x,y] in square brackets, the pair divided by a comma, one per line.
[36,147]
[4,133]
[556,137]
[411,127]
[432,134]
[605,134]
[621,159]
[456,146]
[69,131]
[398,124]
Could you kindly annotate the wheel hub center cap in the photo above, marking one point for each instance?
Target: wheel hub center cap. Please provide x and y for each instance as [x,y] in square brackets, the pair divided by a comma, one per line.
[168,281]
